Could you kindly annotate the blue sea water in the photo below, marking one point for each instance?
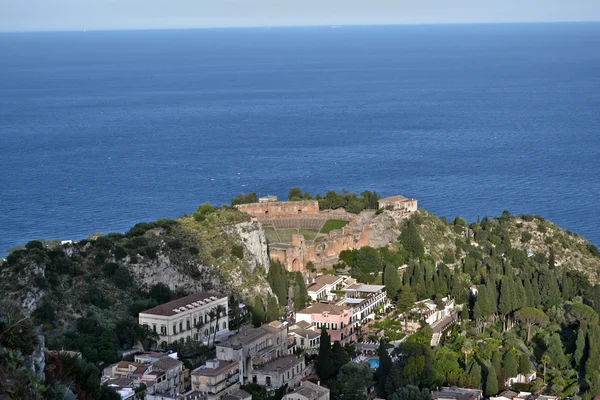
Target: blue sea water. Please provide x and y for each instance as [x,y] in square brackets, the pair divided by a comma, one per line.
[100,130]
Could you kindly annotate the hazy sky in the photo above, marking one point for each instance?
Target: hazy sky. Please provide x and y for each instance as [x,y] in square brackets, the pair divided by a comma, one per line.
[18,15]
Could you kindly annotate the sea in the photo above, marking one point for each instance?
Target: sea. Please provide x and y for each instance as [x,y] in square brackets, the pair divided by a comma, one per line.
[101,130]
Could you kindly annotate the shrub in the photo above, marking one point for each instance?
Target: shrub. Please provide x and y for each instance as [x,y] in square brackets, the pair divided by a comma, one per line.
[110,268]
[121,277]
[218,253]
[526,237]
[237,251]
[175,244]
[527,217]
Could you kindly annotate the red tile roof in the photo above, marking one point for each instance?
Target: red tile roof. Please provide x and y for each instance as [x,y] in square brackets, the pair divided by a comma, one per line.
[167,309]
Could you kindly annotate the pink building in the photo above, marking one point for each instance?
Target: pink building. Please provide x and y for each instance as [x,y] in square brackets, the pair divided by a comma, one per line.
[337,320]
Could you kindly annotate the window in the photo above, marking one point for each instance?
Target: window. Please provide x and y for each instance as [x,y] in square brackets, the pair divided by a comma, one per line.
[333,325]
[174,329]
[254,380]
[163,330]
[268,380]
[302,342]
[224,325]
[154,328]
[180,326]
[194,321]
[188,327]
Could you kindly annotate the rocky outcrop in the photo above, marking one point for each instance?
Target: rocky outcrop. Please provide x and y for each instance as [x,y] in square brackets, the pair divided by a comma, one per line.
[252,236]
[36,362]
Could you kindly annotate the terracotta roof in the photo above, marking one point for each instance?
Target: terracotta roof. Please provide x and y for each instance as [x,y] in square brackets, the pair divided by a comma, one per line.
[395,198]
[310,390]
[302,325]
[169,308]
[281,364]
[126,364]
[166,363]
[320,308]
[322,281]
[237,395]
[223,366]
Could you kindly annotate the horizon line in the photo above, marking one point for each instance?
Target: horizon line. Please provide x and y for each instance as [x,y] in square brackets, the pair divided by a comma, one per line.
[319,25]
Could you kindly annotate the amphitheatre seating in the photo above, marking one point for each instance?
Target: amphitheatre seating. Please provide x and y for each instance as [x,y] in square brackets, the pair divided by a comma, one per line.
[290,223]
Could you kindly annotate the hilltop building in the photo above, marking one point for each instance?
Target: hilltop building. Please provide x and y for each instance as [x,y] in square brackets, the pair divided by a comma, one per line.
[188,318]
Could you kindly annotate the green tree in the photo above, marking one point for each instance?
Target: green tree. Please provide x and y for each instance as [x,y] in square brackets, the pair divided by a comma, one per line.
[506,299]
[554,350]
[411,240]
[258,312]
[411,392]
[475,372]
[325,364]
[353,378]
[295,194]
[244,198]
[497,362]
[491,382]
[579,349]
[385,366]
[203,211]
[524,364]
[510,365]
[391,280]
[161,293]
[531,316]
[595,384]
[277,278]
[300,292]
[405,303]
[393,382]
[272,309]
[339,357]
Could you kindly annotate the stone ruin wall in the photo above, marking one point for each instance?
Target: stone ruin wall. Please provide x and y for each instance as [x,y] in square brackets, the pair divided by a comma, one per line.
[323,253]
[284,209]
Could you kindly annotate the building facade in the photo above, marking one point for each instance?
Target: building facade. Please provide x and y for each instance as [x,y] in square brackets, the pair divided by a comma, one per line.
[337,320]
[188,318]
[216,378]
[288,370]
[254,347]
[308,391]
[320,288]
[398,203]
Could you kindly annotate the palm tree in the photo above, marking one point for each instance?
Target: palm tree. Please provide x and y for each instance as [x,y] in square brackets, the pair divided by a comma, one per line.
[467,348]
[545,359]
[199,326]
[211,314]
[219,310]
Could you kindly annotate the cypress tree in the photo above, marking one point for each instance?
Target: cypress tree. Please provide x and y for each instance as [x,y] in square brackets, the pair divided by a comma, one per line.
[524,364]
[411,240]
[272,309]
[385,365]
[258,312]
[530,298]
[300,291]
[549,290]
[566,286]
[497,362]
[551,259]
[579,348]
[510,365]
[391,280]
[536,292]
[339,357]
[393,381]
[492,293]
[475,372]
[506,298]
[491,382]
[277,278]
[325,366]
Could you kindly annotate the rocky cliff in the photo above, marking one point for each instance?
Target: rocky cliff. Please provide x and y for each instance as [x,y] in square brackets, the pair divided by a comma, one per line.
[225,252]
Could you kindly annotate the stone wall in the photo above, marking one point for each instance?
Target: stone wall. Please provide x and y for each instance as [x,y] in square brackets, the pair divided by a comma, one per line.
[288,209]
[398,203]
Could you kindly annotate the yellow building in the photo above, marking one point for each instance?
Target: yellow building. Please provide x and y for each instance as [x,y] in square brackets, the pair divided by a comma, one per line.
[216,378]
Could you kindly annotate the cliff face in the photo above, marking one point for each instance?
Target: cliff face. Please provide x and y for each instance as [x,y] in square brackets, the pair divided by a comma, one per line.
[225,253]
